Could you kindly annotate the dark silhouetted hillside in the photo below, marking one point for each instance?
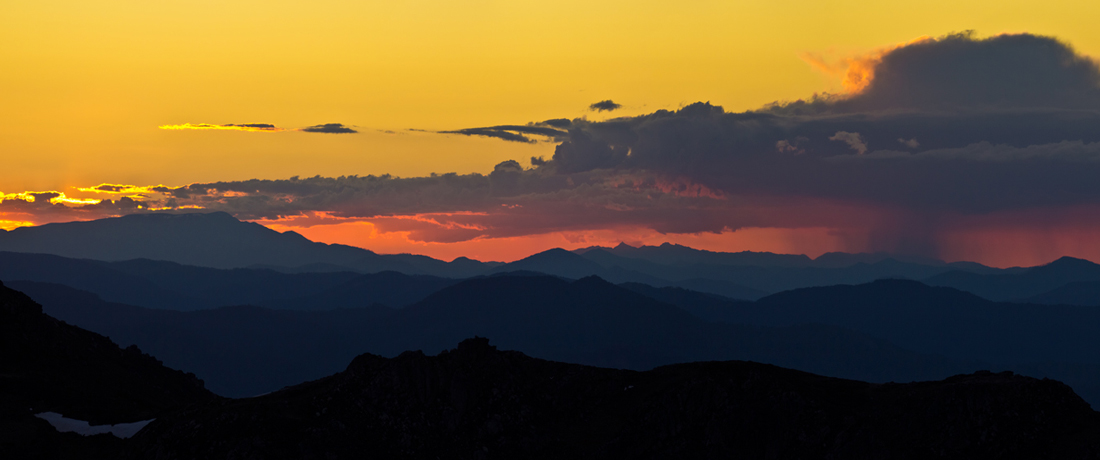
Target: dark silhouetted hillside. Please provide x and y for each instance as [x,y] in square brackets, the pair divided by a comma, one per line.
[239,351]
[1046,339]
[49,366]
[477,402]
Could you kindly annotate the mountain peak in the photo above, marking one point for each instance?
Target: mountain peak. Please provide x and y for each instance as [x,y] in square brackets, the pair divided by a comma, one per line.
[1070,261]
[1067,265]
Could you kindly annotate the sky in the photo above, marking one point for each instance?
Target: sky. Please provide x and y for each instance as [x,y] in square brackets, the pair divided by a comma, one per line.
[378,124]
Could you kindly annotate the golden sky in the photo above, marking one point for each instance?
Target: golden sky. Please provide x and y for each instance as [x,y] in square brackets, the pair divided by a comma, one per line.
[88,83]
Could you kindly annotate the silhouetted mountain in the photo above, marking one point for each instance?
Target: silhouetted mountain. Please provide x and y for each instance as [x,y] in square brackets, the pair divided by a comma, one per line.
[660,275]
[243,351]
[591,321]
[210,240]
[391,289]
[90,275]
[675,254]
[173,286]
[748,275]
[721,288]
[566,264]
[49,366]
[1085,293]
[845,259]
[947,322]
[778,279]
[1022,285]
[239,351]
[704,305]
[477,402]
[725,280]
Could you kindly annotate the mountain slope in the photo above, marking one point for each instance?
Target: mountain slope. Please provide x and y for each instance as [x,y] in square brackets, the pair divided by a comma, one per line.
[678,255]
[942,320]
[239,351]
[49,366]
[477,402]
[244,351]
[91,275]
[209,240]
[1018,286]
[173,286]
[1084,293]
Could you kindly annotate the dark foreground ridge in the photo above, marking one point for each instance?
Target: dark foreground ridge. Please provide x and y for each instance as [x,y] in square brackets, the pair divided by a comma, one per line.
[49,366]
[477,402]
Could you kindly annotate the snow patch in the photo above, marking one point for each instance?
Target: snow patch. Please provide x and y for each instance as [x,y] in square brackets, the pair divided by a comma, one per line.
[67,425]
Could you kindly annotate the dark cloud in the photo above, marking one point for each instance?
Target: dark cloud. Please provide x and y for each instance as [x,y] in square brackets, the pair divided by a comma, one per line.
[961,71]
[253,125]
[329,128]
[513,133]
[604,106]
[563,123]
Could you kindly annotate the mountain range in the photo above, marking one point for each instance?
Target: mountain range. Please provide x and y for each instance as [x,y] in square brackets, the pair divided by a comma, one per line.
[219,241]
[247,350]
[474,401]
[245,311]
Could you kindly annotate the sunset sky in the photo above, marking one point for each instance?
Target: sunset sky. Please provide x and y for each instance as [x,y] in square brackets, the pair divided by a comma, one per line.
[964,147]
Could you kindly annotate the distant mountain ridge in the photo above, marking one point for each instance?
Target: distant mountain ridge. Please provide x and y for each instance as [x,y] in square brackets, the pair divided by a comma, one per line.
[173,286]
[211,240]
[1021,285]
[217,240]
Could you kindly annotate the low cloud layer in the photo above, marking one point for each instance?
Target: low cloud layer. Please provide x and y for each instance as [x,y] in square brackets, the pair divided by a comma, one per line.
[940,133]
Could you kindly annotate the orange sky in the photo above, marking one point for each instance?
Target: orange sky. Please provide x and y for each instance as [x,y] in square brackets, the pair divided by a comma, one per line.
[89,83]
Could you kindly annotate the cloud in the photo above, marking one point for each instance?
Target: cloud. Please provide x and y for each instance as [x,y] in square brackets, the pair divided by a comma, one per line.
[250,127]
[854,140]
[911,143]
[515,133]
[962,71]
[604,106]
[330,128]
